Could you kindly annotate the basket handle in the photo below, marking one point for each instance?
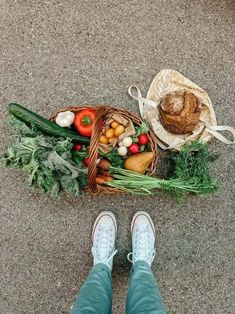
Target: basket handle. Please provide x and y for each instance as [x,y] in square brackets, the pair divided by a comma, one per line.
[93,150]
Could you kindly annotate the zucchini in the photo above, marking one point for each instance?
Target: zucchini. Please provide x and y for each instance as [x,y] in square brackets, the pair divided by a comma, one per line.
[42,124]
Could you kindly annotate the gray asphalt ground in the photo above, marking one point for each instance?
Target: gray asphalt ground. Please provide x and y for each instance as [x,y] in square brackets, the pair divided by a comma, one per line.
[58,53]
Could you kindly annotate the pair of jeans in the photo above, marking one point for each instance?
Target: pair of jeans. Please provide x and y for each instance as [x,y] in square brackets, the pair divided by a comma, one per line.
[95,296]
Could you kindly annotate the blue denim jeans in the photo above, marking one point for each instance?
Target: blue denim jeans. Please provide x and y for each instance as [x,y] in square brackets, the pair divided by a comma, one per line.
[95,296]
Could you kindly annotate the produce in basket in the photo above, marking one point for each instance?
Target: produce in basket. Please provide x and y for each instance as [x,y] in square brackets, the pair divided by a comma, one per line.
[117,130]
[123,133]
[83,121]
[113,132]
[139,162]
[65,119]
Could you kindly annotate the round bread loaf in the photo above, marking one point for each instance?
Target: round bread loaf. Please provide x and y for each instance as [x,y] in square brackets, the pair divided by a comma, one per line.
[179,112]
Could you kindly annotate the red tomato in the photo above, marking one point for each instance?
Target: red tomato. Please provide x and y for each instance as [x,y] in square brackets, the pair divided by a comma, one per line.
[143,139]
[84,120]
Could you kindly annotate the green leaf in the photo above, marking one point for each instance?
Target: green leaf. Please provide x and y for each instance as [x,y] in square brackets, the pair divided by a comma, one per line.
[56,162]
[115,159]
[142,129]
[22,128]
[78,156]
[47,160]
[70,185]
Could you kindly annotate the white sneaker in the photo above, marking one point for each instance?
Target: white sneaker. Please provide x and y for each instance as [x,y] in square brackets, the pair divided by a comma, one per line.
[143,238]
[104,236]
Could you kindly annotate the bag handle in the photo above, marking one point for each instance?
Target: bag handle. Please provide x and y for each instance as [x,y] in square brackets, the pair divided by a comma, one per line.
[141,100]
[213,130]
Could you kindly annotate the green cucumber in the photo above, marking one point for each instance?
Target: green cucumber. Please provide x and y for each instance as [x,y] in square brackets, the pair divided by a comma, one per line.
[42,124]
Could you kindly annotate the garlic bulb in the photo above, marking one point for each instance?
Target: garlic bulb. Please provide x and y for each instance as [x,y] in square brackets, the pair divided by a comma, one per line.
[65,119]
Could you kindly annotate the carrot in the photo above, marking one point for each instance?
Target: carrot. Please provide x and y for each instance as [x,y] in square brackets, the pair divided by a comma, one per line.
[108,179]
[104,164]
[105,178]
[99,180]
[104,172]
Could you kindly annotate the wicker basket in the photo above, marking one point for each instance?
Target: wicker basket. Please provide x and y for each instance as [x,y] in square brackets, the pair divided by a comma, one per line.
[101,116]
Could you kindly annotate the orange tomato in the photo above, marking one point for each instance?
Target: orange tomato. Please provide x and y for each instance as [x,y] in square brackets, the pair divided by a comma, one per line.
[103,139]
[119,130]
[111,139]
[114,124]
[109,133]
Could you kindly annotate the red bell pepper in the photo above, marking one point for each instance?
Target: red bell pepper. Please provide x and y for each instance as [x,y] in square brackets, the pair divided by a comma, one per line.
[84,120]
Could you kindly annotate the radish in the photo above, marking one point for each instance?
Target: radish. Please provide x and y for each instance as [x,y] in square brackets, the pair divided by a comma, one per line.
[143,139]
[77,147]
[134,149]
[86,161]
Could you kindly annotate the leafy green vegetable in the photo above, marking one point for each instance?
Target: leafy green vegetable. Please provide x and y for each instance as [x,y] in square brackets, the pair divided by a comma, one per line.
[22,128]
[143,128]
[78,156]
[193,162]
[190,175]
[47,160]
[115,159]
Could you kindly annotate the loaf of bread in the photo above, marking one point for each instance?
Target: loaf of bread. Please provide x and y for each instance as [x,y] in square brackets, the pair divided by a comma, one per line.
[179,112]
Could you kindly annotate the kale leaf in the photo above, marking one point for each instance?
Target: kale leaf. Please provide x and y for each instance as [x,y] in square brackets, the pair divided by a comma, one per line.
[47,160]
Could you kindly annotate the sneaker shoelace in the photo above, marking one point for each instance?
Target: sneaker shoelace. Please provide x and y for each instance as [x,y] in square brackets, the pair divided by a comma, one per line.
[103,252]
[143,250]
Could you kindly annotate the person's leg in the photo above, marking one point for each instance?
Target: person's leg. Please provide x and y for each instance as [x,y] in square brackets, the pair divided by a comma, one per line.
[143,294]
[95,295]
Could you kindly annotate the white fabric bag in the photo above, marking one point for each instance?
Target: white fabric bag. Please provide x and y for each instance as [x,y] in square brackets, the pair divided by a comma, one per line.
[169,81]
